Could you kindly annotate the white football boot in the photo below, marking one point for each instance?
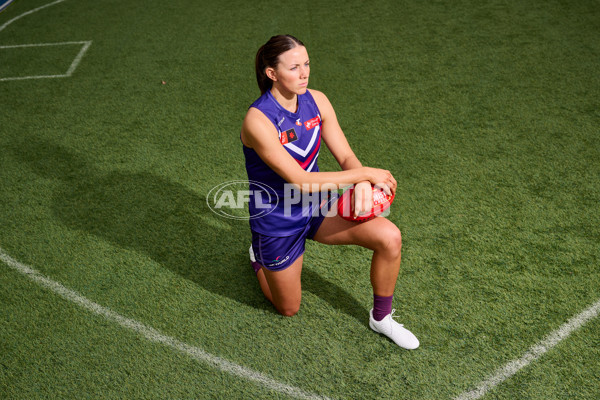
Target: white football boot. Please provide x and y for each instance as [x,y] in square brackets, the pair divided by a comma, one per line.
[395,331]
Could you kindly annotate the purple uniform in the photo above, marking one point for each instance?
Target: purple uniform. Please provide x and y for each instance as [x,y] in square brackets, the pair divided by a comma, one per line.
[300,135]
[281,218]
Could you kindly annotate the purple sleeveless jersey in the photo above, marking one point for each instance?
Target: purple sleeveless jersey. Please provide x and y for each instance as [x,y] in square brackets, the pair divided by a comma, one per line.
[276,209]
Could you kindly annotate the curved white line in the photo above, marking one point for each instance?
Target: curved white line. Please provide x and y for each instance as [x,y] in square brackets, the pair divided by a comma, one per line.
[27,13]
[154,335]
[72,67]
[3,6]
[533,353]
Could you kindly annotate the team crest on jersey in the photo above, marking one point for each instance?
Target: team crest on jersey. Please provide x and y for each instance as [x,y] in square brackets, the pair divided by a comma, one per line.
[288,136]
[311,123]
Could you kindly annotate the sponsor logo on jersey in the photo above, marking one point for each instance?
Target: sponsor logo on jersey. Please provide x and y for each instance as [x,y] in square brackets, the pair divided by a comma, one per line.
[298,122]
[281,122]
[311,123]
[288,136]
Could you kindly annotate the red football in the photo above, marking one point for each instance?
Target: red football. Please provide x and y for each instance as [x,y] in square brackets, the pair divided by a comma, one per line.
[381,202]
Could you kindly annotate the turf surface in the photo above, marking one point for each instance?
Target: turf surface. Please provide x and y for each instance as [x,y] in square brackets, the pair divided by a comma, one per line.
[487,113]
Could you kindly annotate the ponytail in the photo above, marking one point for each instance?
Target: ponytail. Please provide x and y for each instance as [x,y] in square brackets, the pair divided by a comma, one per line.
[268,56]
[264,82]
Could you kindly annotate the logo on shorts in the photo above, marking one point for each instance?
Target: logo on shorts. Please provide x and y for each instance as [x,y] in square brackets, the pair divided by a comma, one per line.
[277,261]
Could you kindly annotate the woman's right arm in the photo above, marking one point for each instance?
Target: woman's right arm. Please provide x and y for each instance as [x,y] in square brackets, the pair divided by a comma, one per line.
[259,133]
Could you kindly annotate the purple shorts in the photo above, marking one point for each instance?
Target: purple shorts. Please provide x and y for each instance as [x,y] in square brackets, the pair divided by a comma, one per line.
[277,253]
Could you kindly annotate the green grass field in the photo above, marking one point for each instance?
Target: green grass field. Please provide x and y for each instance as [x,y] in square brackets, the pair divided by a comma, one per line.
[487,113]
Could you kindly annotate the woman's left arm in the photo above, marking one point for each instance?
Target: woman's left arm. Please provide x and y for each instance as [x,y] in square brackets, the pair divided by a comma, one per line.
[332,133]
[336,141]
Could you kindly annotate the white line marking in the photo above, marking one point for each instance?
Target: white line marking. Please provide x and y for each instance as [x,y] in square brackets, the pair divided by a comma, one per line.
[74,64]
[27,13]
[77,59]
[155,335]
[3,6]
[533,353]
[12,46]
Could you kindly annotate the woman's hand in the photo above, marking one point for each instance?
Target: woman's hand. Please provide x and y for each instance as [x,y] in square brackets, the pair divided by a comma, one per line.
[362,198]
[382,179]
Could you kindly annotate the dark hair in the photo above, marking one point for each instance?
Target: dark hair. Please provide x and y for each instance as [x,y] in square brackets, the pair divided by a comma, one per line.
[268,56]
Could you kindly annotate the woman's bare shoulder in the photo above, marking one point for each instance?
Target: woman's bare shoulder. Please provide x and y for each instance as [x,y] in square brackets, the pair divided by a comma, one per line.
[255,124]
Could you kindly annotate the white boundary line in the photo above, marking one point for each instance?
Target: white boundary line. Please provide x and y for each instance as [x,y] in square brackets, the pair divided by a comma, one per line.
[156,336]
[72,67]
[27,13]
[3,6]
[533,353]
[74,64]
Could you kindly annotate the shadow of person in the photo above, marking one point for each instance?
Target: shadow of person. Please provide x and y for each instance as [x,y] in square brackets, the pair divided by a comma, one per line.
[166,221]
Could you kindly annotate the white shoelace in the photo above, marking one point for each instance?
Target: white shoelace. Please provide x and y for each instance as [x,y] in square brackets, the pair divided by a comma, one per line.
[393,316]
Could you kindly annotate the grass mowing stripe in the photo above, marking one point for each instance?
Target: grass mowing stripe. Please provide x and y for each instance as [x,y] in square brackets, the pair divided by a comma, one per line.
[534,353]
[27,13]
[155,335]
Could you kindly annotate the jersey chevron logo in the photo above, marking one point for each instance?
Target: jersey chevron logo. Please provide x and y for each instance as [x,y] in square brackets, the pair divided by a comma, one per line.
[304,152]
[312,164]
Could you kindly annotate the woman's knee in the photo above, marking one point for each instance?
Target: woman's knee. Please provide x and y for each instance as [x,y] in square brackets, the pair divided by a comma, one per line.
[390,240]
[285,288]
[289,310]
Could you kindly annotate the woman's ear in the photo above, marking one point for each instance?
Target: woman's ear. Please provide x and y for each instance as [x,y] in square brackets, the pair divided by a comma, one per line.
[271,74]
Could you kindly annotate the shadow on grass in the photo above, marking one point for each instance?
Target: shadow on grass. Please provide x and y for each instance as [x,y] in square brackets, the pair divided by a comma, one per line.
[167,222]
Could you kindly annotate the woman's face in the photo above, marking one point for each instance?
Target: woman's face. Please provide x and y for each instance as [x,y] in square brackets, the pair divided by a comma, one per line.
[291,74]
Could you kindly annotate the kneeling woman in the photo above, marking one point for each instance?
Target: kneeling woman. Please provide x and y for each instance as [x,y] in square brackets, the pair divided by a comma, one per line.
[281,134]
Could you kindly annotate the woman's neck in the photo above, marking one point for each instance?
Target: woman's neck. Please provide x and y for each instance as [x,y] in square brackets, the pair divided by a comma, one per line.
[288,100]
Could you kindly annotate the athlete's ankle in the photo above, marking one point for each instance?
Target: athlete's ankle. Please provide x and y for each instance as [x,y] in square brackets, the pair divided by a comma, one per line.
[382,306]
